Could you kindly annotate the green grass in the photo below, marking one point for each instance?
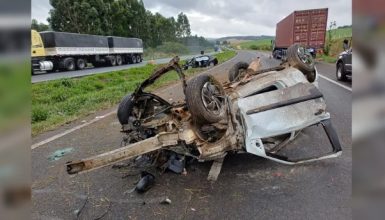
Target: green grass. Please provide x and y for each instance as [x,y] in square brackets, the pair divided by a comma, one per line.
[340,33]
[336,43]
[262,44]
[58,102]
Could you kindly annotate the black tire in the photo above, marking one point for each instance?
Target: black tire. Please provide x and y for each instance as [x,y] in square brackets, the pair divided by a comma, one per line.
[198,104]
[138,59]
[111,60]
[294,59]
[69,64]
[125,109]
[119,60]
[340,72]
[235,71]
[81,64]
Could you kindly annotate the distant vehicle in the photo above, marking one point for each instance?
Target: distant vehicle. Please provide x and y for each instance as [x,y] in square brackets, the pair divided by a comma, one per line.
[344,65]
[52,51]
[307,27]
[200,61]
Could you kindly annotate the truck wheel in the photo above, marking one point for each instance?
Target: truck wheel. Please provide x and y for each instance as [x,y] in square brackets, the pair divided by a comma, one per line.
[69,64]
[237,71]
[80,64]
[125,109]
[138,59]
[340,73]
[119,60]
[298,57]
[205,99]
[112,61]
[133,59]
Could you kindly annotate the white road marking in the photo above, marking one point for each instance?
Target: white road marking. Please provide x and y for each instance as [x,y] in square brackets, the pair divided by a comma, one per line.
[97,118]
[334,82]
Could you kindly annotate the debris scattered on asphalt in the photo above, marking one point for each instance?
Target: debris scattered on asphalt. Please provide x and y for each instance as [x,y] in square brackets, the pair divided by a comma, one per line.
[79,211]
[166,201]
[146,182]
[130,191]
[184,173]
[60,153]
[105,213]
[176,163]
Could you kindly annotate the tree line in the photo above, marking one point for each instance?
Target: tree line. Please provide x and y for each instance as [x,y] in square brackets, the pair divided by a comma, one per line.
[125,18]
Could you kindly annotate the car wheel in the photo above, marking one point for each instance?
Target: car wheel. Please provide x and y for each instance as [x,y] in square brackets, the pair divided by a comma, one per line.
[119,60]
[80,64]
[340,73]
[237,71]
[205,99]
[69,64]
[298,57]
[124,109]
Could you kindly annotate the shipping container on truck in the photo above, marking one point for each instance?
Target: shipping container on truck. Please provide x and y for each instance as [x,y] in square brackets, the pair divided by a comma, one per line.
[52,51]
[307,27]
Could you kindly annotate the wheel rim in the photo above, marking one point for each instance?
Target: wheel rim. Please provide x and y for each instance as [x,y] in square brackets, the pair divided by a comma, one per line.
[339,73]
[119,60]
[81,65]
[71,66]
[212,98]
[211,64]
[134,59]
[304,56]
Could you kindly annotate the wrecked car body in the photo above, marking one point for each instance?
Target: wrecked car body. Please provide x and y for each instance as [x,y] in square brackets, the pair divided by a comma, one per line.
[200,61]
[259,111]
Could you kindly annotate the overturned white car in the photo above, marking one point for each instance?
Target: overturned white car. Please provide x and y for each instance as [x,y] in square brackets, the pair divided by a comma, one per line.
[258,111]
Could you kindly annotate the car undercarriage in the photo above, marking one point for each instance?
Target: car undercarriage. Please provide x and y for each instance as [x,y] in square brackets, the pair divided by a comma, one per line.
[258,111]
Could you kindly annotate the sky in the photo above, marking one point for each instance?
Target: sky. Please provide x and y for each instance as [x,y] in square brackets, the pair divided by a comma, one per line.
[220,18]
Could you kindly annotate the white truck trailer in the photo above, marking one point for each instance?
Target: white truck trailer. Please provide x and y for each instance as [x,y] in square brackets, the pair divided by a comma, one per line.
[52,51]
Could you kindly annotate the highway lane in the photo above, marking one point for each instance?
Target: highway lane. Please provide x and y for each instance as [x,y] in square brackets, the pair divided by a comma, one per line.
[248,187]
[42,77]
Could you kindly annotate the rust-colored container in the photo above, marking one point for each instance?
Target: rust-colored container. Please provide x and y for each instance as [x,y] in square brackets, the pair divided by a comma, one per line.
[307,27]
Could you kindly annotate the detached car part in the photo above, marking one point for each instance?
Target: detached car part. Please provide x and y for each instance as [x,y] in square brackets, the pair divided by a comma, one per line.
[259,111]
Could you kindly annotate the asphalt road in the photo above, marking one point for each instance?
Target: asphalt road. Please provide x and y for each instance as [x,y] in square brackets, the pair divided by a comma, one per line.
[248,187]
[43,76]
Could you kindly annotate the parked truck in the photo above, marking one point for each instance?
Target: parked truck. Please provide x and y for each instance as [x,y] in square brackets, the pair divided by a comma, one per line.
[306,27]
[52,51]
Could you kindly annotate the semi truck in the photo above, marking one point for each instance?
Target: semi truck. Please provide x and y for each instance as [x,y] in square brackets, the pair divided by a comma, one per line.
[61,51]
[306,27]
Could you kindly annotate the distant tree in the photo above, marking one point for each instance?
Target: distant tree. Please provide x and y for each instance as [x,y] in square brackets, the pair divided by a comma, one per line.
[39,26]
[182,26]
[125,18]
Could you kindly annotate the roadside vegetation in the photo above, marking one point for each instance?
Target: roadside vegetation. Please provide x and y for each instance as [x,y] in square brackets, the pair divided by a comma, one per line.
[58,102]
[260,44]
[334,43]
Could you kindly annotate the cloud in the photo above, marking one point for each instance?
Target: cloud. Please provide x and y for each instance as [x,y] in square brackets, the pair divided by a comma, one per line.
[218,18]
